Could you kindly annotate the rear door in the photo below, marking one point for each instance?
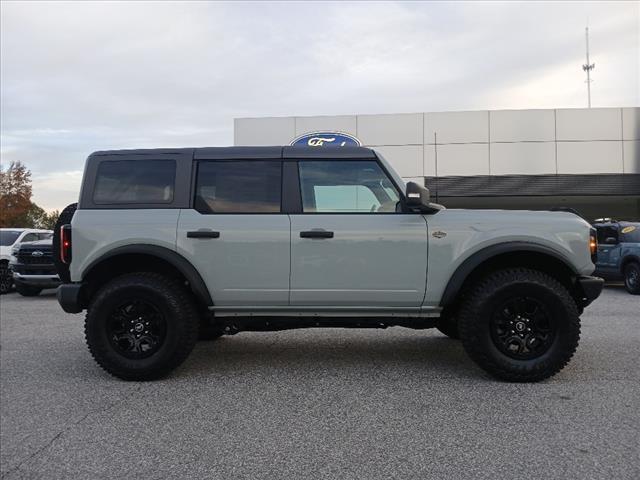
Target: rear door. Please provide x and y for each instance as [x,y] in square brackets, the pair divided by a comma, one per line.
[235,234]
[351,245]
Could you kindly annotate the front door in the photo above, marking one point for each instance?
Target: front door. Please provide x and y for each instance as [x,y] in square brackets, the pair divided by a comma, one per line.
[351,245]
[236,235]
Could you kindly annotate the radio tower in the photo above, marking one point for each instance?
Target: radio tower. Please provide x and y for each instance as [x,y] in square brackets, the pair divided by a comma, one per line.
[587,67]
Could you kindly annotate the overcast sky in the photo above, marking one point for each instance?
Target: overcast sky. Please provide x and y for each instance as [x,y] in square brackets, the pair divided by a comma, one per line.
[78,77]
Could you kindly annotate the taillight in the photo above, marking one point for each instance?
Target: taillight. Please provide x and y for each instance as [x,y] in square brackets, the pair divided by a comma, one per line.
[65,243]
[593,244]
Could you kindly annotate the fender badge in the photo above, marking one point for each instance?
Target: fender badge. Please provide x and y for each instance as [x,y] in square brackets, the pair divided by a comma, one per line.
[439,234]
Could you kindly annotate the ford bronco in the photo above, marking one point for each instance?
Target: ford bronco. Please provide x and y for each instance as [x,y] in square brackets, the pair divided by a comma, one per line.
[165,246]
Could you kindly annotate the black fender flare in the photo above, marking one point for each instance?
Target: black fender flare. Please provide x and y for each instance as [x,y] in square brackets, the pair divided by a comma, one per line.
[476,259]
[180,263]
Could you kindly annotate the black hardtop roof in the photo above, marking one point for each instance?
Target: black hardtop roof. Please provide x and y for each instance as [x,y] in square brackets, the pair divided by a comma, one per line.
[222,153]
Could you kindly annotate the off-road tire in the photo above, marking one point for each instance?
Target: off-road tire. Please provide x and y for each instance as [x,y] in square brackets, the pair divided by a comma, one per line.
[64,219]
[448,325]
[28,290]
[488,294]
[633,287]
[6,279]
[172,300]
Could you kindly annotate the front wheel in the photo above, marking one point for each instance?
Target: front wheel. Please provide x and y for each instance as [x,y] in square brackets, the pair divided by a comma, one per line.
[632,278]
[140,326]
[6,279]
[520,325]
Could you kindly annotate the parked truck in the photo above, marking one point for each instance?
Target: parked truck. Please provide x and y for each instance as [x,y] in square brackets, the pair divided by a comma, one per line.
[167,245]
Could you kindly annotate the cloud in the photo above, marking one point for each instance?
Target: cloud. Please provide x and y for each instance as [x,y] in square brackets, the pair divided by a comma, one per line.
[83,76]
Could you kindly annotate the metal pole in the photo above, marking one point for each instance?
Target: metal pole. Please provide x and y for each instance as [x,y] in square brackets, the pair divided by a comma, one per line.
[587,67]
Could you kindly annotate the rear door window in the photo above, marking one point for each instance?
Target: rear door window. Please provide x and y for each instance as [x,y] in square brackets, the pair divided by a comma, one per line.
[239,186]
[135,181]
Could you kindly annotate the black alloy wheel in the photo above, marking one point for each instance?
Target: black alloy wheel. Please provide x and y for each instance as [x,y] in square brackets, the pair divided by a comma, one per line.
[136,329]
[522,328]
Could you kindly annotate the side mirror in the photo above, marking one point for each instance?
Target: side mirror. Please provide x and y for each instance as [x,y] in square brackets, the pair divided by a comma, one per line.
[610,240]
[418,197]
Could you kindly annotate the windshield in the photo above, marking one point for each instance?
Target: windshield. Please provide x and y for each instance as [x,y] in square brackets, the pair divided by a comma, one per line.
[8,237]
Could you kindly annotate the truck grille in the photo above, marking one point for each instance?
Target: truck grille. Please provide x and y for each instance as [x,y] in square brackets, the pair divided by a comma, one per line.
[26,257]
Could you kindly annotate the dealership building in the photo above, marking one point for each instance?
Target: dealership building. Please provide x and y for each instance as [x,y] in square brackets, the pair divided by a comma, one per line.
[587,159]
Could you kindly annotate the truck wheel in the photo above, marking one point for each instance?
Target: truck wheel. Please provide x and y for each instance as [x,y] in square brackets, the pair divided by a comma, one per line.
[64,219]
[140,326]
[632,278]
[6,279]
[519,325]
[27,290]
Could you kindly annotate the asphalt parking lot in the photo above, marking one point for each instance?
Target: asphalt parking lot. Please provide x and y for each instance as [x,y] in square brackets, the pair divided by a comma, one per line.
[367,404]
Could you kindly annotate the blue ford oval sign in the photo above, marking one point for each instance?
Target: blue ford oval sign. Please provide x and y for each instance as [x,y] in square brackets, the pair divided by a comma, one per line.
[326,139]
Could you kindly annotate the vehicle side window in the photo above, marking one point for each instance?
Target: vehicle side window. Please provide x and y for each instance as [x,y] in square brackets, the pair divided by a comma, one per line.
[239,186]
[135,181]
[45,236]
[346,187]
[29,237]
[607,232]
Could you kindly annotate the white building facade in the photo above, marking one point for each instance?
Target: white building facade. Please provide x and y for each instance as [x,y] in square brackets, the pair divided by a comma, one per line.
[587,159]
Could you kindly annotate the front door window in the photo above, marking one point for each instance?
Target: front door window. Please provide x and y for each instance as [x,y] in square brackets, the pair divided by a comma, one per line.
[346,187]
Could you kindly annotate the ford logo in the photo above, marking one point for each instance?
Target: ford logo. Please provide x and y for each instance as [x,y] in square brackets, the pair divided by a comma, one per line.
[326,139]
[37,253]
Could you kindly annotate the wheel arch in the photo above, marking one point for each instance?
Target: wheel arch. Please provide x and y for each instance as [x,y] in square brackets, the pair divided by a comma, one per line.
[627,260]
[144,257]
[509,254]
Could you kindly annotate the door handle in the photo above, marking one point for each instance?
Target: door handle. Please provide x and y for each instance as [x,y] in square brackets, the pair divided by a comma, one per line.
[203,234]
[316,234]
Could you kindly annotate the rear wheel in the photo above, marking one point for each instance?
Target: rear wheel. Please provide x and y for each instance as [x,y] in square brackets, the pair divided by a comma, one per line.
[28,290]
[140,326]
[6,279]
[520,325]
[632,278]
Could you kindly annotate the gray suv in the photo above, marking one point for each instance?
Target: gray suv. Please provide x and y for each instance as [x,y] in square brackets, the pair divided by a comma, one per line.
[165,246]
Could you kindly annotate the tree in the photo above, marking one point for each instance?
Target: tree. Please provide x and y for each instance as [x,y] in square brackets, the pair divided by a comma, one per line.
[15,195]
[37,217]
[16,207]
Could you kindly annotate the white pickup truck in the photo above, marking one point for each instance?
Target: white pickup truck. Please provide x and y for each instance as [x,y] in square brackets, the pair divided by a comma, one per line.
[10,239]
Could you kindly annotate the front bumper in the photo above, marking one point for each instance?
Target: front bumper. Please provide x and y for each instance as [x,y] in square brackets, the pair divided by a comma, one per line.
[43,281]
[70,297]
[590,288]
